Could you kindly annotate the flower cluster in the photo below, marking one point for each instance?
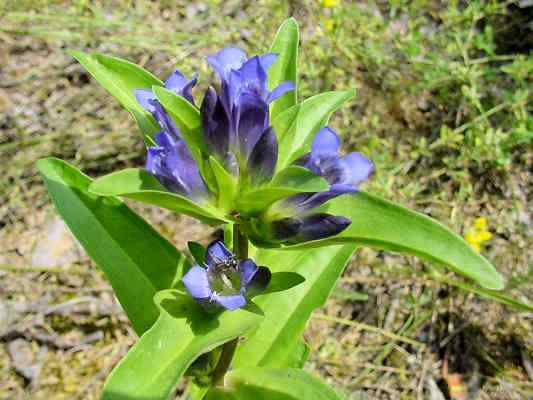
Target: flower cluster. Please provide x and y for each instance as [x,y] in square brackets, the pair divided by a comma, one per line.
[225,281]
[293,219]
[478,234]
[236,128]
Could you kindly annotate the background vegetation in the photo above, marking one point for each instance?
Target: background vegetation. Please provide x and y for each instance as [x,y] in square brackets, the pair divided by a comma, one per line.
[443,108]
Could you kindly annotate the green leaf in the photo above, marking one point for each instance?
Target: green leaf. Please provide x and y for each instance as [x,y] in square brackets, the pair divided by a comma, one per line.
[183,331]
[117,239]
[488,294]
[197,251]
[292,180]
[226,184]
[120,78]
[286,313]
[296,128]
[384,225]
[273,384]
[284,280]
[139,184]
[301,179]
[298,355]
[285,68]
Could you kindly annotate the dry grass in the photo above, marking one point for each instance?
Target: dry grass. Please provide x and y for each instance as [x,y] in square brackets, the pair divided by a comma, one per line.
[49,106]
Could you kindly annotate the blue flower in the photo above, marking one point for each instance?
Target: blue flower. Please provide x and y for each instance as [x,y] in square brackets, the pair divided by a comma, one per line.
[172,163]
[236,120]
[224,281]
[343,173]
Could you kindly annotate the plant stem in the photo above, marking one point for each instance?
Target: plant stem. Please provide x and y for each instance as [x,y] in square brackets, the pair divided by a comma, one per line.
[240,248]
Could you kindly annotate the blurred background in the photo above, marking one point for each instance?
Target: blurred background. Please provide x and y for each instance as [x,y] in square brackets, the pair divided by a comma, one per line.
[443,108]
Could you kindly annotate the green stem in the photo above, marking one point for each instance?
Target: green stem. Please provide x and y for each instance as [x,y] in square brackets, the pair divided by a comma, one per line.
[240,248]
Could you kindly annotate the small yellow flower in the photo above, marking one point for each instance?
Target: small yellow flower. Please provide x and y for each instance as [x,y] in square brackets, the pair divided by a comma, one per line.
[330,3]
[480,223]
[329,25]
[478,234]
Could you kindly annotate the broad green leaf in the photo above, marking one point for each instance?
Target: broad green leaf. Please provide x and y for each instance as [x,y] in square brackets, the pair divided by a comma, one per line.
[488,294]
[283,280]
[298,355]
[273,384]
[120,78]
[384,225]
[226,185]
[285,68]
[286,313]
[183,331]
[292,180]
[139,184]
[296,134]
[117,239]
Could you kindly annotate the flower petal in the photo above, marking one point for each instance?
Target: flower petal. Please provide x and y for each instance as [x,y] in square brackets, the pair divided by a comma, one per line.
[326,142]
[197,283]
[252,120]
[267,60]
[227,59]
[306,201]
[285,228]
[280,90]
[164,120]
[254,77]
[259,282]
[172,163]
[232,302]
[178,83]
[358,168]
[320,226]
[247,270]
[262,160]
[215,123]
[144,98]
[217,253]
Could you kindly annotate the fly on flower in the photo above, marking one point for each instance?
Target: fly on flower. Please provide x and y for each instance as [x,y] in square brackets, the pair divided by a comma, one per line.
[224,282]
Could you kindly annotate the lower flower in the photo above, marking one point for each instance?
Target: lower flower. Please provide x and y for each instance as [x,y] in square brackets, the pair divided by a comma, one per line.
[224,282]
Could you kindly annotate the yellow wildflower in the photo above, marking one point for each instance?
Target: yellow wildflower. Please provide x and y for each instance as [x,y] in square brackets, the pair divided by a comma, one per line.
[331,3]
[480,223]
[478,233]
[329,25]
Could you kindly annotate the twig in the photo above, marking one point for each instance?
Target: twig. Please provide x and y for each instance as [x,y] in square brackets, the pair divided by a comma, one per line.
[370,328]
[70,269]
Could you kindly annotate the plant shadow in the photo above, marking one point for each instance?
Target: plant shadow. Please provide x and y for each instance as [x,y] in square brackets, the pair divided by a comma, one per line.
[181,306]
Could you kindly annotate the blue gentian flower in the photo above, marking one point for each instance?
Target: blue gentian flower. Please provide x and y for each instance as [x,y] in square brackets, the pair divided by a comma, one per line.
[224,281]
[236,120]
[343,173]
[172,163]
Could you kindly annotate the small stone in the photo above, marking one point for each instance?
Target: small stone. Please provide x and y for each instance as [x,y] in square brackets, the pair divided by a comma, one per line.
[57,246]
[23,359]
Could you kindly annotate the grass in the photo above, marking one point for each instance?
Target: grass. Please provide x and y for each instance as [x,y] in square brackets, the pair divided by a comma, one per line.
[443,108]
